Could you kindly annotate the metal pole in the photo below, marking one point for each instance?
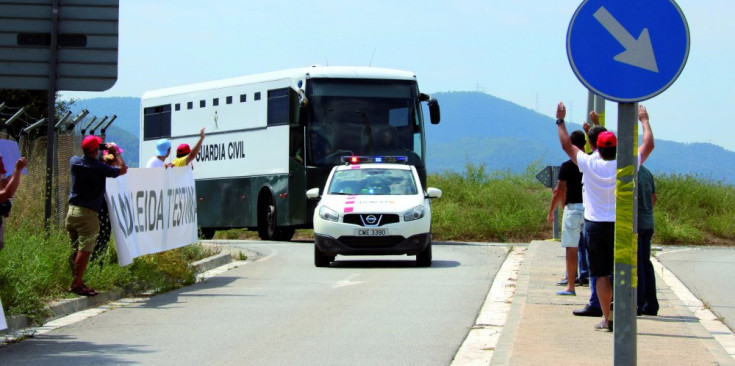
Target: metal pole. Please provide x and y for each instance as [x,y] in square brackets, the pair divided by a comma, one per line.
[590,108]
[76,120]
[14,117]
[51,131]
[600,108]
[626,243]
[84,129]
[104,128]
[98,125]
[62,120]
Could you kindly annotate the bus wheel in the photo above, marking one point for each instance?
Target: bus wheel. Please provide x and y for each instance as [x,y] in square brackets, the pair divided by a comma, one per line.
[206,233]
[267,218]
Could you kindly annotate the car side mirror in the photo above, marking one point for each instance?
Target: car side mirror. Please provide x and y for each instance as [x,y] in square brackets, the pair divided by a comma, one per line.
[432,192]
[313,193]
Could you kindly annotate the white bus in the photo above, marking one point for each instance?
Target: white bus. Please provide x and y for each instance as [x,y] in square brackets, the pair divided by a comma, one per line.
[272,136]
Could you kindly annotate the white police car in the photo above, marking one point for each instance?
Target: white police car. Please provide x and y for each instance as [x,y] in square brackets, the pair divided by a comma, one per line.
[373,206]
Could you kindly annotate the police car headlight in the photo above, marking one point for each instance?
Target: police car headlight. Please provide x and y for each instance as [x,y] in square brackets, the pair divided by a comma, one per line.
[326,213]
[414,213]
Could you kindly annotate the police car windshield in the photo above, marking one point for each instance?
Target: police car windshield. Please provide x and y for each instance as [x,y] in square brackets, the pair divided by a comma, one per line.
[393,182]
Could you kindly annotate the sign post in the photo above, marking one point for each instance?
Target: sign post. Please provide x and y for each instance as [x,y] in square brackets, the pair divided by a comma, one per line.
[627,51]
[549,176]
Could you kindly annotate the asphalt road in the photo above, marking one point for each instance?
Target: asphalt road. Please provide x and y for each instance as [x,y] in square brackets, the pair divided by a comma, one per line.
[705,271]
[281,310]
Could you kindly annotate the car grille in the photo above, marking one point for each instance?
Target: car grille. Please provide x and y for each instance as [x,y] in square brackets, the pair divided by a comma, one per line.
[371,241]
[364,219]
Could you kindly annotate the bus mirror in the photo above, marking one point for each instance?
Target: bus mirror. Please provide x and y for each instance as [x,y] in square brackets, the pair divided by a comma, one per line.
[434,111]
[424,97]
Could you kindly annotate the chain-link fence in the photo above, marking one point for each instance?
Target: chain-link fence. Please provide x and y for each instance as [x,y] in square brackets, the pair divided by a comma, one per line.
[34,149]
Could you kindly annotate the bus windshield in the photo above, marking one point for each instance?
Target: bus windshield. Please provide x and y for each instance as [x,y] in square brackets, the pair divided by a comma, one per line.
[364,117]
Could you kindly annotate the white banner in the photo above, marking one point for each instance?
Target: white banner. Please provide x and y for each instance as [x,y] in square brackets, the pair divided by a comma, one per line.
[3,324]
[152,210]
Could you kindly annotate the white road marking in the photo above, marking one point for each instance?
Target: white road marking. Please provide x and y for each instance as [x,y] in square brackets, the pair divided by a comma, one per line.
[478,347]
[719,331]
[348,281]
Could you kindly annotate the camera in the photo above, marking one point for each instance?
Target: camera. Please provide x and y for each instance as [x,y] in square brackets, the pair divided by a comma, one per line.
[103,146]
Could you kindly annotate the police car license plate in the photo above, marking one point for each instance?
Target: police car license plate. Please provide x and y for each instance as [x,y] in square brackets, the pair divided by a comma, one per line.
[370,232]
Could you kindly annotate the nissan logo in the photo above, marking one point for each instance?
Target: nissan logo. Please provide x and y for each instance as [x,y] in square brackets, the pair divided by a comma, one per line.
[371,219]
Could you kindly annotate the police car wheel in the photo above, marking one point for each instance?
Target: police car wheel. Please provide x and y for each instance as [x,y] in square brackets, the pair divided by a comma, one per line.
[321,259]
[423,259]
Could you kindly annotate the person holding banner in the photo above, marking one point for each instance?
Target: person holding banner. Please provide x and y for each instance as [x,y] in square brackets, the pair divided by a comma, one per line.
[88,175]
[185,155]
[599,179]
[163,150]
[8,186]
[112,156]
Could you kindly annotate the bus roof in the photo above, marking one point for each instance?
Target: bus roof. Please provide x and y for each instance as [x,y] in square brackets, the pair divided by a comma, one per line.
[316,71]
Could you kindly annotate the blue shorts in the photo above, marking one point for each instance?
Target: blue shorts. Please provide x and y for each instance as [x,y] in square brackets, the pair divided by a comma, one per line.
[572,223]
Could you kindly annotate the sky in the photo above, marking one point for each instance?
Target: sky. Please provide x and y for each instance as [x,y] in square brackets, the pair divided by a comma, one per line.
[514,50]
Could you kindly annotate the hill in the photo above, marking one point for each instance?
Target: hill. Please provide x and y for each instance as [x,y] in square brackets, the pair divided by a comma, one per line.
[505,136]
[124,130]
[488,130]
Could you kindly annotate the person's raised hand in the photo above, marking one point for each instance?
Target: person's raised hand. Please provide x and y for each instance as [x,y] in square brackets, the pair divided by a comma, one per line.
[561,111]
[595,118]
[21,163]
[642,113]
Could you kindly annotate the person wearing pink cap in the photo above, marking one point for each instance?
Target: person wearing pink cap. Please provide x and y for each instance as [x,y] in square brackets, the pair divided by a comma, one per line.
[111,156]
[599,177]
[185,155]
[86,199]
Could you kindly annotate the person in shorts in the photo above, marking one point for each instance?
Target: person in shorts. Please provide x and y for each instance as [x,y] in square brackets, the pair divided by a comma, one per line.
[598,195]
[88,175]
[568,192]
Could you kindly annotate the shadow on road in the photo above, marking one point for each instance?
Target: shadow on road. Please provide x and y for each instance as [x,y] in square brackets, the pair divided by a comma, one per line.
[63,350]
[347,263]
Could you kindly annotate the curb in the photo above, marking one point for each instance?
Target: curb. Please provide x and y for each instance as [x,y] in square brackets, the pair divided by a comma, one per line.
[65,307]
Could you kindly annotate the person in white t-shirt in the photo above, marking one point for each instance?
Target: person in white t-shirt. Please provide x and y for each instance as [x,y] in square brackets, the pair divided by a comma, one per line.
[599,177]
[163,150]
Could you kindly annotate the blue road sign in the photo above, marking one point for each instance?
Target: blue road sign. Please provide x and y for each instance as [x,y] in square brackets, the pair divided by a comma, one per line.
[628,50]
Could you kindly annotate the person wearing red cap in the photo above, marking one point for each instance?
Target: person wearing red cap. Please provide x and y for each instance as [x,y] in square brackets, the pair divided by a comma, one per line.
[599,177]
[86,199]
[185,155]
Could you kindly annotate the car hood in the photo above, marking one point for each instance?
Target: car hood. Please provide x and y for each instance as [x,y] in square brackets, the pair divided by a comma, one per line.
[371,204]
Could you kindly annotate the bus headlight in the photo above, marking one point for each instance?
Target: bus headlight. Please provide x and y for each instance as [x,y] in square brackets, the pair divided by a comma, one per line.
[326,213]
[414,213]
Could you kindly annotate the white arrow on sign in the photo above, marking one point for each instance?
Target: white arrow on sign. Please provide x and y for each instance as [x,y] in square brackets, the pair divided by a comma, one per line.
[638,52]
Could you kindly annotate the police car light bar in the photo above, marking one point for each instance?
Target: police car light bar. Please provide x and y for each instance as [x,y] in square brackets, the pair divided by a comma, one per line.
[373,159]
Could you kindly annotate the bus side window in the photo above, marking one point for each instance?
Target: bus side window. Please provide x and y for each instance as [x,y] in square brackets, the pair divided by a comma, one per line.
[157,122]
